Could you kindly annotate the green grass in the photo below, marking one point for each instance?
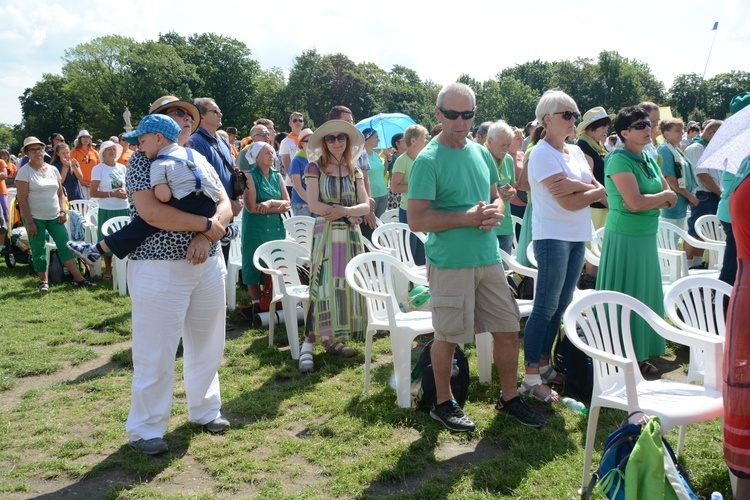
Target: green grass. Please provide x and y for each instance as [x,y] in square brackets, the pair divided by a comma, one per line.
[292,436]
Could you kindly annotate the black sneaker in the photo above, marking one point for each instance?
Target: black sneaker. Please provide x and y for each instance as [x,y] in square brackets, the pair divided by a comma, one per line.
[517,408]
[452,417]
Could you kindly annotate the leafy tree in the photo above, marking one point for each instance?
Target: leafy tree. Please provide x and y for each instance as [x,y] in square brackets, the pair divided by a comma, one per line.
[48,108]
[406,93]
[520,101]
[722,88]
[10,137]
[683,96]
[536,74]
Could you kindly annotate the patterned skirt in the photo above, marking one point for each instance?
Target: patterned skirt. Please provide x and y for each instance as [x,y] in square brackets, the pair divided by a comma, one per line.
[336,311]
[737,375]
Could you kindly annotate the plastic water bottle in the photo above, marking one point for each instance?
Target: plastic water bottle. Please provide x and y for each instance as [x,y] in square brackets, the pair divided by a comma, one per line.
[717,496]
[454,371]
[574,405]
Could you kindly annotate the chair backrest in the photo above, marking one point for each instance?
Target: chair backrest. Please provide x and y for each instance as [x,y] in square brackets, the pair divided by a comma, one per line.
[300,229]
[374,276]
[115,224]
[709,228]
[286,215]
[696,303]
[389,216]
[82,206]
[235,249]
[282,257]
[530,254]
[519,268]
[593,252]
[92,216]
[394,238]
[667,236]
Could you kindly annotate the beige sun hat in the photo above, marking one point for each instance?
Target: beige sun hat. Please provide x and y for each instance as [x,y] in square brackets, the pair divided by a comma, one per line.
[315,146]
[30,141]
[170,101]
[592,115]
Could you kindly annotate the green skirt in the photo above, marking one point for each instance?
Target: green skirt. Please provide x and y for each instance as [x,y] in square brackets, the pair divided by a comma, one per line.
[630,264]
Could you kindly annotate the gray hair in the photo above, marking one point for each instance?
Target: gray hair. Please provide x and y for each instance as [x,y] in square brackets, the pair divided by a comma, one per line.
[483,128]
[458,89]
[550,101]
[500,129]
[648,106]
[202,102]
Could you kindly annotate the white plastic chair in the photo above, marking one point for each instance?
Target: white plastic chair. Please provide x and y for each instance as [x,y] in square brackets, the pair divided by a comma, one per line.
[709,228]
[281,258]
[90,225]
[389,216]
[530,254]
[593,252]
[83,206]
[605,318]
[300,229]
[696,304]
[234,266]
[517,221]
[119,266]
[394,238]
[374,275]
[286,215]
[668,235]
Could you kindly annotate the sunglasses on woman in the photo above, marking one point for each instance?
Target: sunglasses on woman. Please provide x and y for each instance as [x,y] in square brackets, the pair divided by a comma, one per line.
[641,125]
[567,115]
[180,113]
[453,115]
[330,139]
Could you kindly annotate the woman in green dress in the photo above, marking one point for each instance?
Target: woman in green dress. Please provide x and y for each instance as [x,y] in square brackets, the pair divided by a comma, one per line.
[636,191]
[266,198]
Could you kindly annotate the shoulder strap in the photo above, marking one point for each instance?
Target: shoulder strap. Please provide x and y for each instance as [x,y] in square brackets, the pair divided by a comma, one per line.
[215,144]
[189,162]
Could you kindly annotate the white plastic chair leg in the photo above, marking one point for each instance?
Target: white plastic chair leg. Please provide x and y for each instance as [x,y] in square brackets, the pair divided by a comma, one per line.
[271,322]
[292,326]
[401,347]
[484,343]
[231,289]
[368,358]
[590,438]
[681,440]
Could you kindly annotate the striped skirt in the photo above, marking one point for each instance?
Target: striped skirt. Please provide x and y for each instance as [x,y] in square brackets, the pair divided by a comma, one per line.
[737,375]
[336,311]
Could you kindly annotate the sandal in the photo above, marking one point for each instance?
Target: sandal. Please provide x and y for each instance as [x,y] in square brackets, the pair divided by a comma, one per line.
[246,313]
[647,368]
[534,391]
[550,376]
[43,286]
[341,349]
[306,362]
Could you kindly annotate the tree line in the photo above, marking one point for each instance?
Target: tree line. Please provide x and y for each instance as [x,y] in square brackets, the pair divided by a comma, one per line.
[101,77]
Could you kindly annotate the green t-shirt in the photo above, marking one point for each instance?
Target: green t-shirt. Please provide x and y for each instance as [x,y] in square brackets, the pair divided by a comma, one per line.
[506,170]
[647,175]
[377,176]
[454,180]
[403,166]
[722,211]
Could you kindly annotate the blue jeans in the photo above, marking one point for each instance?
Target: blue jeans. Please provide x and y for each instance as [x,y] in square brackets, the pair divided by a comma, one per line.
[301,209]
[560,265]
[416,245]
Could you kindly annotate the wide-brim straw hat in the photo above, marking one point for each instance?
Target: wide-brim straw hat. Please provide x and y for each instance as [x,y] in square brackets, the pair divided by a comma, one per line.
[109,144]
[31,141]
[170,101]
[316,144]
[592,115]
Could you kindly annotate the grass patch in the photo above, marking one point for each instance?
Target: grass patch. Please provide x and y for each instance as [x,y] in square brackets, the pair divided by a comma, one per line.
[292,436]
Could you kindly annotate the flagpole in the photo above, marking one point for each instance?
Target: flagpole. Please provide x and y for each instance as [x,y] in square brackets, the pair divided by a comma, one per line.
[715,29]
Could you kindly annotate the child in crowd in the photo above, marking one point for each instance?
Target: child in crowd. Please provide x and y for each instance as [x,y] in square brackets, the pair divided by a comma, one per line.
[180,178]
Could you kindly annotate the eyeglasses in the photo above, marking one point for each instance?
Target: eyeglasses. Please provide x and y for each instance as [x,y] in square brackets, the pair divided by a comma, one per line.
[298,120]
[59,138]
[214,111]
[179,112]
[34,150]
[264,134]
[567,115]
[453,115]
[641,125]
[330,139]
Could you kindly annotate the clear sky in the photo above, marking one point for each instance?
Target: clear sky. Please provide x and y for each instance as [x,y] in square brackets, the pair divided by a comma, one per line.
[438,39]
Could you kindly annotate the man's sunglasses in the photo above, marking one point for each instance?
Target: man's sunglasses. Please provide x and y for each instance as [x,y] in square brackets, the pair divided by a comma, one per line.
[453,115]
[330,139]
[641,125]
[264,134]
[567,115]
[298,120]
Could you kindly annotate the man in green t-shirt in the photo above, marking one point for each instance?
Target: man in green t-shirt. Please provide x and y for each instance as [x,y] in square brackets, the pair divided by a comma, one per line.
[499,137]
[453,196]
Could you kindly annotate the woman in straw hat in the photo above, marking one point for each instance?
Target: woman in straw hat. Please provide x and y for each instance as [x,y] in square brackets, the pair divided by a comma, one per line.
[40,197]
[87,157]
[336,192]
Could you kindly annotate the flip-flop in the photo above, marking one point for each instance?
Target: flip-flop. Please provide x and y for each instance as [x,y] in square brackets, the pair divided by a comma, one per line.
[647,368]
[534,392]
